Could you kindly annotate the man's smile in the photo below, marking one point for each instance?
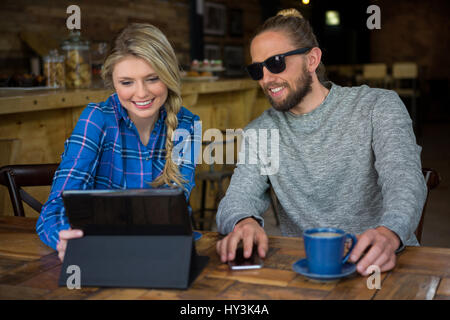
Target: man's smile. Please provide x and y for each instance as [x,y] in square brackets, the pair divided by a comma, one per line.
[276,91]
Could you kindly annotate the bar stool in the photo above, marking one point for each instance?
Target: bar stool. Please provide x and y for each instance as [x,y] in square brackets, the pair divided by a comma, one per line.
[214,178]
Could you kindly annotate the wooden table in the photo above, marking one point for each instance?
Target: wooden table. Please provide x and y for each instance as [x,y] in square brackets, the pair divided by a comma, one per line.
[30,270]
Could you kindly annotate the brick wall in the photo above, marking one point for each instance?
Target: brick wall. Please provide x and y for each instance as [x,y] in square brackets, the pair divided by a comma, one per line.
[414,30]
[101,20]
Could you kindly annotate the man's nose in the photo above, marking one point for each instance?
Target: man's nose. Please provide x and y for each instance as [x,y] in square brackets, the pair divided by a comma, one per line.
[267,76]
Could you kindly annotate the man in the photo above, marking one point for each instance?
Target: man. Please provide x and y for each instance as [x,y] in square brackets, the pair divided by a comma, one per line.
[347,156]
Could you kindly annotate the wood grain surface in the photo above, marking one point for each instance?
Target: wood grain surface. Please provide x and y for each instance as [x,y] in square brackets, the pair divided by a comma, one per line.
[30,270]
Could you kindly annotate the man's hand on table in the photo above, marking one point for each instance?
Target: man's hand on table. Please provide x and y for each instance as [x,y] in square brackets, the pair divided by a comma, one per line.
[65,235]
[381,244]
[250,232]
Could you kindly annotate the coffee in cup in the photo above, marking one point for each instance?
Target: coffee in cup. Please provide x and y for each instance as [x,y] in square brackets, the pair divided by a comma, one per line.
[324,248]
[326,234]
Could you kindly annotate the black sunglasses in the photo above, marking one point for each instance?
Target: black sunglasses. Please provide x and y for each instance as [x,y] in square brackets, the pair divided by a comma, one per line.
[274,64]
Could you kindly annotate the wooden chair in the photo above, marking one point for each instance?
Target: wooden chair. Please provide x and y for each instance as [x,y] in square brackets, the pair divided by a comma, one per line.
[405,70]
[274,204]
[14,177]
[432,180]
[9,153]
[374,75]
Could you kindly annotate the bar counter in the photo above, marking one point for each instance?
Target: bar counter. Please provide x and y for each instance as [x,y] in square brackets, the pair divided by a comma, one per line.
[35,123]
[16,100]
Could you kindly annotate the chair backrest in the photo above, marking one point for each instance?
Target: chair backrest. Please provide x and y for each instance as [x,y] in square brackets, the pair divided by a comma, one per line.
[374,75]
[404,70]
[375,71]
[405,76]
[14,177]
[432,180]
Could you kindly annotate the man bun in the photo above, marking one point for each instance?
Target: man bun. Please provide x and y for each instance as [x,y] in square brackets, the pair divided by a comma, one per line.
[290,13]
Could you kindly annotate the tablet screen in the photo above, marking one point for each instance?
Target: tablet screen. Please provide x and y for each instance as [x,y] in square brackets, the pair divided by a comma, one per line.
[128,212]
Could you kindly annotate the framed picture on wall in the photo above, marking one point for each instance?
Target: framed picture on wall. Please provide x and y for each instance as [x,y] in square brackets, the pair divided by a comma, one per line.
[214,19]
[234,60]
[212,52]
[236,23]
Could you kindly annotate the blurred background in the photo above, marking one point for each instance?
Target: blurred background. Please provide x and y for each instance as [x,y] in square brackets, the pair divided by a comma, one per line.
[38,74]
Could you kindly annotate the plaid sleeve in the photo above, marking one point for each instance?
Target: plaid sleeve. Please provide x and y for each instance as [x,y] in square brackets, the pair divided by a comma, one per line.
[75,172]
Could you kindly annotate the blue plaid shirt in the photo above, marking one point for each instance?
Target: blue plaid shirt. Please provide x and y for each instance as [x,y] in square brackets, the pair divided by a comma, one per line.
[105,152]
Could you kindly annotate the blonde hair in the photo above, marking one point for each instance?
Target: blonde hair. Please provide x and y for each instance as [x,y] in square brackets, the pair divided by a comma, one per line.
[298,30]
[147,42]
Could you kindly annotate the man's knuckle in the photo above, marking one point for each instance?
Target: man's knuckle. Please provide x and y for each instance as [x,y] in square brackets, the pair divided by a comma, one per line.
[384,256]
[378,248]
[232,235]
[247,232]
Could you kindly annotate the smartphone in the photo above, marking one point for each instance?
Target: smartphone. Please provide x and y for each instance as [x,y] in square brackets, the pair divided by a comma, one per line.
[241,263]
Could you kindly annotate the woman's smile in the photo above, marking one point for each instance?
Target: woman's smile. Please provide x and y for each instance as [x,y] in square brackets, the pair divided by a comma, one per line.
[144,104]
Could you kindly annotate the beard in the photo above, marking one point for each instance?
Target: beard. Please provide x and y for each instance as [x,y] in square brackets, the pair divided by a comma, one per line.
[296,95]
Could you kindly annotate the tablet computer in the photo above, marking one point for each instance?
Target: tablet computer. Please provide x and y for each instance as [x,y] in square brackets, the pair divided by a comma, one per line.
[128,212]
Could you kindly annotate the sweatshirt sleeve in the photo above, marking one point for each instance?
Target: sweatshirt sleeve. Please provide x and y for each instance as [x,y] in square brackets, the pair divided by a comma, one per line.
[247,194]
[397,161]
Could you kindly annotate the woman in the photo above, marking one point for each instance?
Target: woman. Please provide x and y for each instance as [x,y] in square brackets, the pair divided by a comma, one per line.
[127,141]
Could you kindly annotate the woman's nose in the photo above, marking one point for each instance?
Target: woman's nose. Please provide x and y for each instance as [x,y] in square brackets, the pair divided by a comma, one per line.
[142,90]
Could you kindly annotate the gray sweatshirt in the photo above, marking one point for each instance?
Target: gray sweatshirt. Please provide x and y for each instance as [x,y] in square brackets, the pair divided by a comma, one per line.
[352,163]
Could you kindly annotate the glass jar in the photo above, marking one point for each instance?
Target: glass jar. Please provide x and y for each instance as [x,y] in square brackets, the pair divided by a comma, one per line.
[54,70]
[98,55]
[77,61]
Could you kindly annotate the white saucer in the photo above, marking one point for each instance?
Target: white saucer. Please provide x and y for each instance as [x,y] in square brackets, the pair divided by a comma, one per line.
[301,267]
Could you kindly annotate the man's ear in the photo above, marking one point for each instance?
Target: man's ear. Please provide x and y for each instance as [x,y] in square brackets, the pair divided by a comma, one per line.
[313,59]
